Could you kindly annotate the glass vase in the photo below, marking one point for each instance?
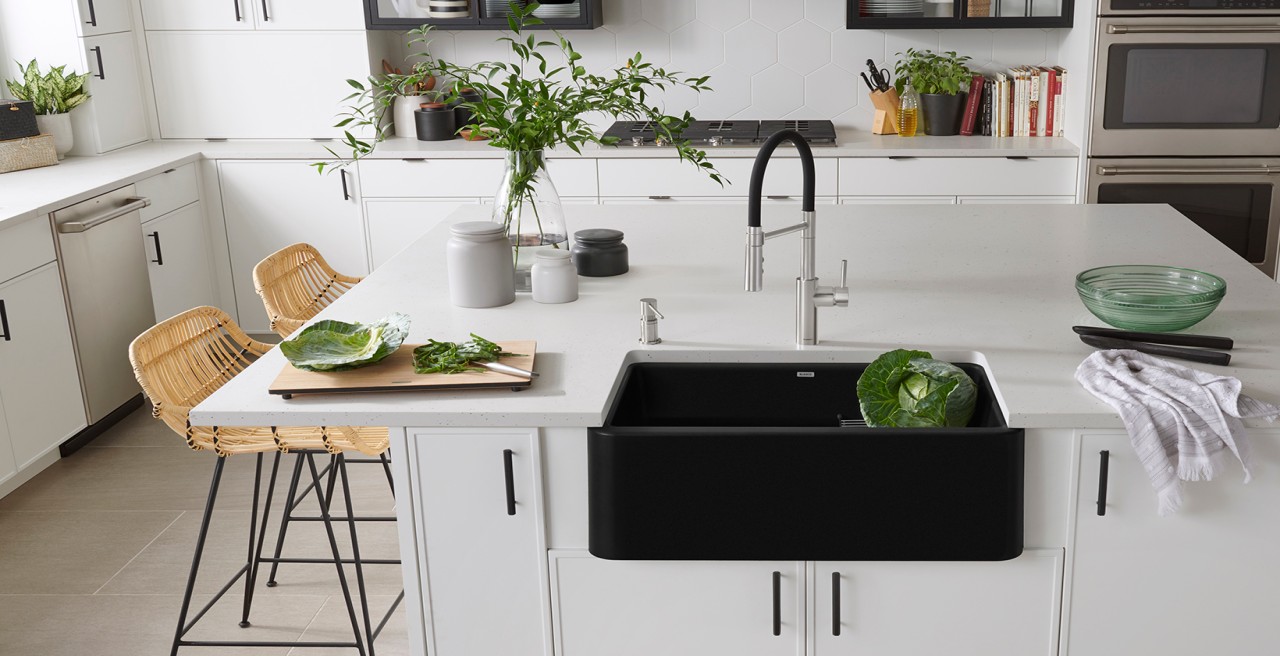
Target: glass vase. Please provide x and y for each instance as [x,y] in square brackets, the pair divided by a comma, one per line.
[528,206]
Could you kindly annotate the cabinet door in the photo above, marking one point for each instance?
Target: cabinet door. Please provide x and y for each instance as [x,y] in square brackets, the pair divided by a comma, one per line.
[395,224]
[676,608]
[197,15]
[1202,581]
[1006,608]
[271,204]
[309,14]
[39,381]
[897,200]
[1017,200]
[113,116]
[482,551]
[178,262]
[103,16]
[261,94]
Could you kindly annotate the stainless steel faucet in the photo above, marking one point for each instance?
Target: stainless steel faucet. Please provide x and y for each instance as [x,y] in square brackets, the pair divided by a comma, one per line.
[649,316]
[809,294]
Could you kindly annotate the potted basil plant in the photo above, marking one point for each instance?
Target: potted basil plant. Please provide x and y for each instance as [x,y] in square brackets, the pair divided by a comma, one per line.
[53,95]
[941,80]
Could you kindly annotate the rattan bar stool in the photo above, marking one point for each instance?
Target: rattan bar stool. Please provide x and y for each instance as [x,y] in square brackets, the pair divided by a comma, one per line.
[295,283]
[179,363]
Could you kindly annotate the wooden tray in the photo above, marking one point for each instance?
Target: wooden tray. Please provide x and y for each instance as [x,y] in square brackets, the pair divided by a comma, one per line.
[396,374]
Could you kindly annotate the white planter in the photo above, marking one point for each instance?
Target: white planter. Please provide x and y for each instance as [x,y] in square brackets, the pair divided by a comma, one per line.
[402,110]
[58,125]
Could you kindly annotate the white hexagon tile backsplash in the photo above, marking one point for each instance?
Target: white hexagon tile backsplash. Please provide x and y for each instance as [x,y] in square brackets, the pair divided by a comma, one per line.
[766,58]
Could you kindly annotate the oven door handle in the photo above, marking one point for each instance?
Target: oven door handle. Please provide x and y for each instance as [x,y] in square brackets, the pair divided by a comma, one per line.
[1192,29]
[1188,170]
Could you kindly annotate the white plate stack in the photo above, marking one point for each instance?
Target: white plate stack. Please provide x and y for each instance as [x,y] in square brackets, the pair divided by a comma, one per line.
[449,8]
[892,7]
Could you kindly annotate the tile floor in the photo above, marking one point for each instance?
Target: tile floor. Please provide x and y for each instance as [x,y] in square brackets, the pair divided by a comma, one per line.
[95,550]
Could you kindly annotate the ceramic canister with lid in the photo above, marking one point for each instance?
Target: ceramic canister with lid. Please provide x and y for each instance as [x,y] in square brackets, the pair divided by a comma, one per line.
[481,266]
[599,252]
[554,278]
[434,122]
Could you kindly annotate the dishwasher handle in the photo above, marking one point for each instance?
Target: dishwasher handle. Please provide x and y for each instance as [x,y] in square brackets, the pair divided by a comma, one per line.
[132,204]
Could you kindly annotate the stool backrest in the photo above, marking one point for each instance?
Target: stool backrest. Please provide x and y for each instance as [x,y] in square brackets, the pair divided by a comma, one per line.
[295,283]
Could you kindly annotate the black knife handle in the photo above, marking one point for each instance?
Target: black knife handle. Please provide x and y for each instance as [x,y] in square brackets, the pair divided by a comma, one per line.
[1199,341]
[1193,355]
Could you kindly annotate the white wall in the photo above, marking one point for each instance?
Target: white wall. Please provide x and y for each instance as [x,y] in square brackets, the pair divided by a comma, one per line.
[766,58]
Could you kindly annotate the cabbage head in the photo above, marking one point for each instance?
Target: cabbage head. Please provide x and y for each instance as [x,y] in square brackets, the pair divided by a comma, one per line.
[337,346]
[909,389]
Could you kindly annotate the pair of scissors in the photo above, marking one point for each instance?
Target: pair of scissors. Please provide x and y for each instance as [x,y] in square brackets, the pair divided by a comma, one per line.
[879,76]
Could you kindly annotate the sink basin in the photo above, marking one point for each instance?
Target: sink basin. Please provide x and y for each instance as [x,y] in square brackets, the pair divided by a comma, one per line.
[747,461]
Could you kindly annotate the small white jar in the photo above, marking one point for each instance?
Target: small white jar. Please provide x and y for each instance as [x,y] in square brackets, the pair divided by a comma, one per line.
[482,269]
[555,279]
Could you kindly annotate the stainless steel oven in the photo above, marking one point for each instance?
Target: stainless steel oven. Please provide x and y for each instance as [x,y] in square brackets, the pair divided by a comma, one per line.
[1237,200]
[1187,85]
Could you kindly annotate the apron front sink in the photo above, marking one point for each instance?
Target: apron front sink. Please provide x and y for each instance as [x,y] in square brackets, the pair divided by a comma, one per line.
[748,461]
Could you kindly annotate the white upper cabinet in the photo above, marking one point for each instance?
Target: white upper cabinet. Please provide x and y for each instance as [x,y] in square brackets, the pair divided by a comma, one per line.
[255,98]
[113,116]
[103,16]
[253,14]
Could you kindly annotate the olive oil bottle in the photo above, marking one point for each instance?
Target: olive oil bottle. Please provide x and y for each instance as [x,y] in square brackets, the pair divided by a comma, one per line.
[908,111]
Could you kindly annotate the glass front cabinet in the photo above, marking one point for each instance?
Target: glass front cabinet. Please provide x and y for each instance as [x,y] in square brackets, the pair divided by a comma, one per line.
[953,14]
[477,14]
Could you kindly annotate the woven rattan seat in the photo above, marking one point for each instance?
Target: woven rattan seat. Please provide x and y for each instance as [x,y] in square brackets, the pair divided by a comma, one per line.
[295,283]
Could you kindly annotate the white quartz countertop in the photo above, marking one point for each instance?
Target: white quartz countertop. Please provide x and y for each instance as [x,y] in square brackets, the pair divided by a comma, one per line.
[996,280]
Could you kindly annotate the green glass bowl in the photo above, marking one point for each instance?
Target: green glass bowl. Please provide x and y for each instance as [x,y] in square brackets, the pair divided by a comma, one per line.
[1150,297]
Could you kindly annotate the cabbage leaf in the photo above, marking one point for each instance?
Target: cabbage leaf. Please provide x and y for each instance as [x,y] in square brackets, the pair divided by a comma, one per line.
[909,389]
[337,346]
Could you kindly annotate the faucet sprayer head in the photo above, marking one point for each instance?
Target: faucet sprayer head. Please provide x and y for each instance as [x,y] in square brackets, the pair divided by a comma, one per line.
[755,259]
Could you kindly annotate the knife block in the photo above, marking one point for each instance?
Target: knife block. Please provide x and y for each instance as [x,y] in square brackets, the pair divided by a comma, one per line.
[886,118]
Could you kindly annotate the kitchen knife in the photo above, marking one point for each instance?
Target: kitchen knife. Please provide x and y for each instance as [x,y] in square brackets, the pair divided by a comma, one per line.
[869,84]
[508,369]
[1194,355]
[879,81]
[1200,341]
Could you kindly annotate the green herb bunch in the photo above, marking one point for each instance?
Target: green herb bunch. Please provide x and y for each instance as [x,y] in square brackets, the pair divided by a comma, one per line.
[55,92]
[451,358]
[930,72]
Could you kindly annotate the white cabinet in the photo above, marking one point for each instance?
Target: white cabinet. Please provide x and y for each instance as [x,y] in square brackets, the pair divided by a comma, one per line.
[958,176]
[1017,200]
[270,204]
[898,200]
[393,225]
[258,96]
[113,116]
[103,16]
[39,382]
[964,608]
[479,532]
[669,176]
[675,608]
[1202,581]
[253,14]
[178,262]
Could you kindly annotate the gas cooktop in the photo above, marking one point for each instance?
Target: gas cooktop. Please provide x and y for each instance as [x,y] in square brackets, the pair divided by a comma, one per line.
[723,133]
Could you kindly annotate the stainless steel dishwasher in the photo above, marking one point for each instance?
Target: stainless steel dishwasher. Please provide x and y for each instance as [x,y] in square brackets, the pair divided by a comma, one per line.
[104,275]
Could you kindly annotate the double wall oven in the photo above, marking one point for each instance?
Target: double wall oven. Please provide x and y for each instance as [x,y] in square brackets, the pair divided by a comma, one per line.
[1187,112]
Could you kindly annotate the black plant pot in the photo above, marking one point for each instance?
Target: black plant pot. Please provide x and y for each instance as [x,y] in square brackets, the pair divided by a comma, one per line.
[942,113]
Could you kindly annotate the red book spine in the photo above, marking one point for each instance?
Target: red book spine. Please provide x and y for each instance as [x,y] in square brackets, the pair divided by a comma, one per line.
[1051,95]
[971,106]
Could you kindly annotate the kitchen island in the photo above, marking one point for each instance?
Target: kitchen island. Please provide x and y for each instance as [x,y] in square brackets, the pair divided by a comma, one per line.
[989,285]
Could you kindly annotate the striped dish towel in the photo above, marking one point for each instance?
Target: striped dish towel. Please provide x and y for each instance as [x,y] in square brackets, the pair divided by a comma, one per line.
[1182,422]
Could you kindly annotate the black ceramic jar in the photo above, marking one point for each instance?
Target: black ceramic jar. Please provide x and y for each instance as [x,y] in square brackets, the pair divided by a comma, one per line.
[434,122]
[599,252]
[462,116]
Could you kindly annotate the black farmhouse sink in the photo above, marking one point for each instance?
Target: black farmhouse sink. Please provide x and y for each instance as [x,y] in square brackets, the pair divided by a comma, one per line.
[732,461]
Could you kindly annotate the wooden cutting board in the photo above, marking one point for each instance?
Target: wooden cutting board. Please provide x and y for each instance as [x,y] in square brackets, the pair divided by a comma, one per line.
[396,374]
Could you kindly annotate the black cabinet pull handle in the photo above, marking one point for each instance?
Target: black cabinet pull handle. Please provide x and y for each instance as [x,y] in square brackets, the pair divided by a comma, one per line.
[266,16]
[1103,462]
[155,236]
[102,73]
[777,603]
[346,193]
[509,471]
[4,322]
[239,16]
[93,15]
[835,603]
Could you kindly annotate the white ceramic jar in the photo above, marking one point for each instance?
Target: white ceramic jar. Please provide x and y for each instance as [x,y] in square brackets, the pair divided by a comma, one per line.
[481,266]
[555,279]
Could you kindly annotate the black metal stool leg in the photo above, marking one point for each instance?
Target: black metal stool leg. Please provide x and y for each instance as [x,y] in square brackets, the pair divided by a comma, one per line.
[386,467]
[195,561]
[255,550]
[284,520]
[337,558]
[355,553]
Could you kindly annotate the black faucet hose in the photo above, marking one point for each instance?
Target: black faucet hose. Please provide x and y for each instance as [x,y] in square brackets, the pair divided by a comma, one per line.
[762,161]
